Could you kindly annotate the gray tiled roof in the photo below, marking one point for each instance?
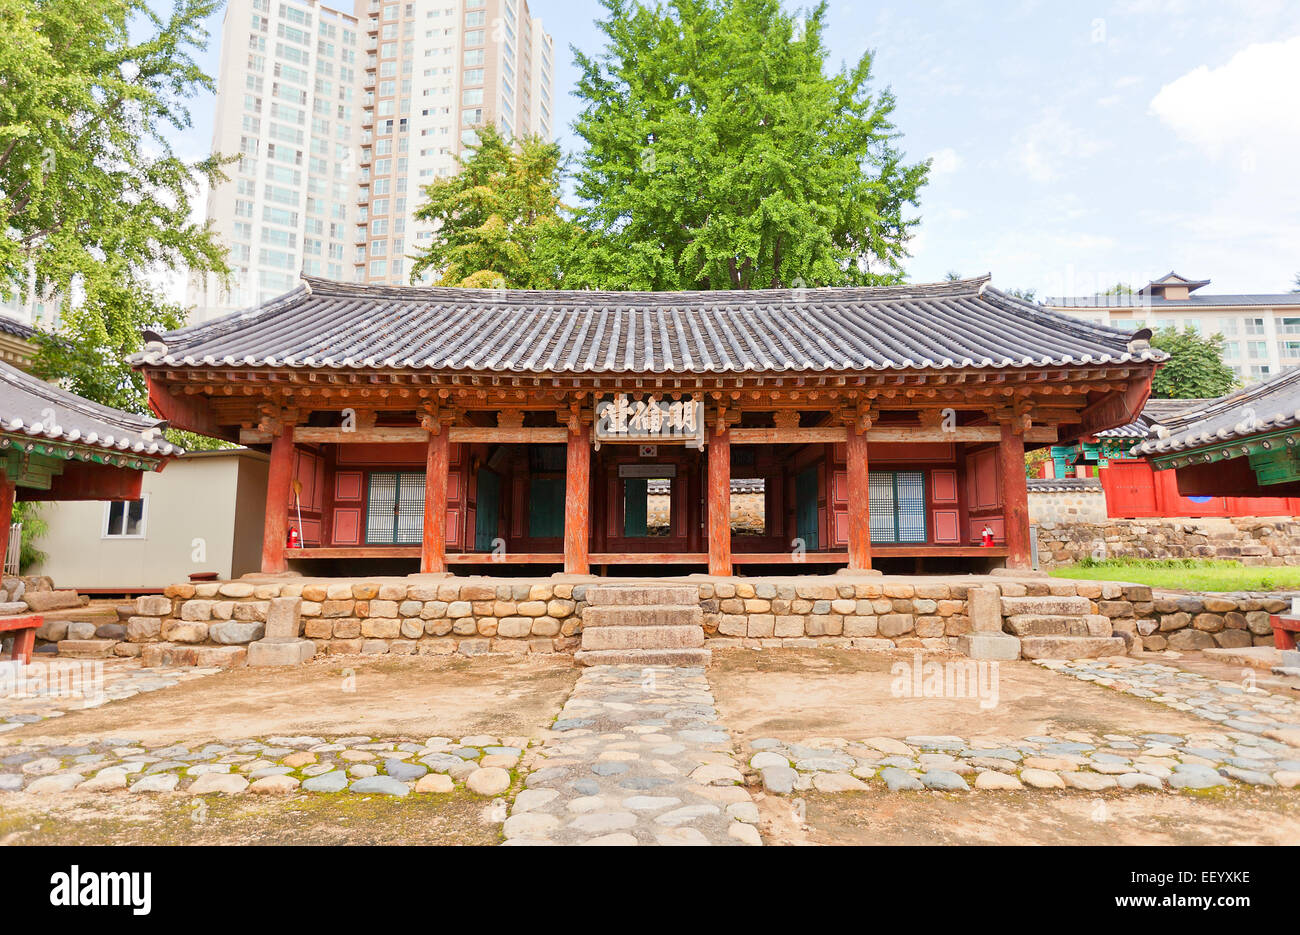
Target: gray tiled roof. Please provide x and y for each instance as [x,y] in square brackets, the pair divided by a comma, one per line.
[1155,412]
[15,327]
[1062,484]
[962,324]
[1134,301]
[1263,407]
[38,410]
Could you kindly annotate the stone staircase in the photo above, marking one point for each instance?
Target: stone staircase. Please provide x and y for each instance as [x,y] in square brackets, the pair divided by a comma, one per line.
[1059,628]
[636,624]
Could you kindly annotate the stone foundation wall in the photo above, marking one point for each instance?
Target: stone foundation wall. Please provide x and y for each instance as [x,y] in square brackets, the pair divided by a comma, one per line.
[819,612]
[1250,540]
[212,624]
[1205,621]
[348,617]
[1051,504]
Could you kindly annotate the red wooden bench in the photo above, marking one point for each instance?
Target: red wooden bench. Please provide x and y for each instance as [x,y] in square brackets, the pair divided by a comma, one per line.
[24,630]
[1285,627]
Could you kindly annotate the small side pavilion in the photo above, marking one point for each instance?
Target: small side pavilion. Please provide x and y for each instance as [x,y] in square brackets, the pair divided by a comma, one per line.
[55,445]
[1245,444]
[434,428]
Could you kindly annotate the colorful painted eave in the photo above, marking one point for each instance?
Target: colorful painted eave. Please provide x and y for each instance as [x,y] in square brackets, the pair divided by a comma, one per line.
[28,445]
[1269,444]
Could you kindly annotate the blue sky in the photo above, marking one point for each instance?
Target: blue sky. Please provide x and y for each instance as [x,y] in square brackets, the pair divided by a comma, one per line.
[1075,144]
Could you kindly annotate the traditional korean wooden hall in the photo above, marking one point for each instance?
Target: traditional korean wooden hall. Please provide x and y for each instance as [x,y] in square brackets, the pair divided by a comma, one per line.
[517,432]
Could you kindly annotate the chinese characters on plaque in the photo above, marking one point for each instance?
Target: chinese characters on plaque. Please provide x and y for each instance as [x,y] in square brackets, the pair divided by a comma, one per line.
[651,418]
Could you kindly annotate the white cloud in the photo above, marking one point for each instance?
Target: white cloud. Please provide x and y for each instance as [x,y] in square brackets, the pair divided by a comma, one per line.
[944,161]
[1045,146]
[1250,101]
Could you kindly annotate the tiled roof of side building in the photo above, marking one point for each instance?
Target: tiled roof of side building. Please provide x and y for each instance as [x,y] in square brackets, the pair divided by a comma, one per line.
[39,410]
[15,327]
[963,324]
[1062,484]
[1155,412]
[1262,407]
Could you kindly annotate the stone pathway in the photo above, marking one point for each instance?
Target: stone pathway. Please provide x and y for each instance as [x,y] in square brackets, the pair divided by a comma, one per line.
[637,756]
[52,687]
[275,765]
[1073,760]
[1236,706]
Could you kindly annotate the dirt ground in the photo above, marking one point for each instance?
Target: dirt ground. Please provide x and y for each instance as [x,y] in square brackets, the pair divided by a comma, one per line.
[1235,817]
[380,696]
[796,695]
[90,819]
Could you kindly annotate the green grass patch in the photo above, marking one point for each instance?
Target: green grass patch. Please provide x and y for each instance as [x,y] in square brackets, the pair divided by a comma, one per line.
[1185,574]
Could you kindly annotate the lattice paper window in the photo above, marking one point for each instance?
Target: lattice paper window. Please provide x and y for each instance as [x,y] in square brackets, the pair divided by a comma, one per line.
[395,510]
[897,505]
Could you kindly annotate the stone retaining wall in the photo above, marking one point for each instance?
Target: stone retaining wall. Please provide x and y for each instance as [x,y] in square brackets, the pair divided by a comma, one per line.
[1251,540]
[1066,503]
[822,612]
[212,623]
[1201,621]
[350,617]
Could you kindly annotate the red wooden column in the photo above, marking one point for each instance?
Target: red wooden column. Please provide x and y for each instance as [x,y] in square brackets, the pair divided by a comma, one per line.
[859,502]
[1015,497]
[6,514]
[433,551]
[719,499]
[279,488]
[577,501]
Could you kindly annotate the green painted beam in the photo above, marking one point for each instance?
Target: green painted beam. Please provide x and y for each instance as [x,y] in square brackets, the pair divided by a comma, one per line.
[34,462]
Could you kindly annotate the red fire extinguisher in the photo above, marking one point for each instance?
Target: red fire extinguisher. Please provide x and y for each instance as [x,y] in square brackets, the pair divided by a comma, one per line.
[295,541]
[986,537]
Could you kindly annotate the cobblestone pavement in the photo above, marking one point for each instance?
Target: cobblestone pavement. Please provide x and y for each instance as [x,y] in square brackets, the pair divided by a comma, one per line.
[1236,706]
[1073,760]
[1252,738]
[273,765]
[637,756]
[52,687]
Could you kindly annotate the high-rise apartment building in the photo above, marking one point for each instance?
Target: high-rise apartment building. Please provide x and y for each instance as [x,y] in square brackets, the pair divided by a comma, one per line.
[436,70]
[1261,331]
[339,119]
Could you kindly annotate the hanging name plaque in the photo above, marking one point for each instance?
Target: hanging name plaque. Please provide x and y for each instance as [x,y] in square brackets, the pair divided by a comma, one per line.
[650,418]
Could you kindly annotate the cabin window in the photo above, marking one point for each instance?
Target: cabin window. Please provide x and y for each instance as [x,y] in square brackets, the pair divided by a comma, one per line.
[897,506]
[395,508]
[124,519]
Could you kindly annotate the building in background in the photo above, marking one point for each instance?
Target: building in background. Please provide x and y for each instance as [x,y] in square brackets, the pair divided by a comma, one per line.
[15,342]
[339,119]
[1261,332]
[203,514]
[57,446]
[1244,444]
[1132,489]
[289,105]
[436,71]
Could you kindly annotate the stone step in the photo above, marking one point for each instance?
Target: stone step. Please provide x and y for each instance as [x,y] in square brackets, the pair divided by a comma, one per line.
[43,601]
[643,657]
[641,594]
[643,637]
[1046,625]
[636,615]
[1070,606]
[1071,647]
[86,649]
[96,615]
